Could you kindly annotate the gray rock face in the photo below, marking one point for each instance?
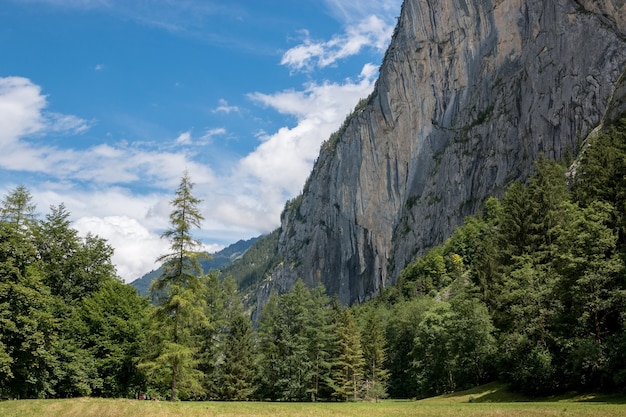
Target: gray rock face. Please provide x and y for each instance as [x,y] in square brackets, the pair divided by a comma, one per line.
[469,94]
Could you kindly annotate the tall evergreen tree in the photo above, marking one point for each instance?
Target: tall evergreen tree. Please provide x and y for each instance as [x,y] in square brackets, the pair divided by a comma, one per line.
[268,335]
[175,357]
[321,333]
[215,301]
[350,363]
[236,368]
[181,265]
[375,355]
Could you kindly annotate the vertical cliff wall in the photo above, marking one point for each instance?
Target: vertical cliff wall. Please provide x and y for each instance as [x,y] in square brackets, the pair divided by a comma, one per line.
[470,93]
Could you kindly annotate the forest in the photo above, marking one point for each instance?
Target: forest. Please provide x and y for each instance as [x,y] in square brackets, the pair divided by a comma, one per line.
[531,291]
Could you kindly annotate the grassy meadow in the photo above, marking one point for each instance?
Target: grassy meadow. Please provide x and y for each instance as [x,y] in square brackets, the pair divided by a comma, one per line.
[490,400]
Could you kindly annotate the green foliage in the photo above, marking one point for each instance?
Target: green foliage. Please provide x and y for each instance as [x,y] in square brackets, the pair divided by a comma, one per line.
[46,272]
[285,364]
[180,311]
[296,345]
[217,261]
[237,370]
[181,265]
[374,345]
[171,359]
[350,364]
[249,270]
[113,321]
[532,291]
[72,267]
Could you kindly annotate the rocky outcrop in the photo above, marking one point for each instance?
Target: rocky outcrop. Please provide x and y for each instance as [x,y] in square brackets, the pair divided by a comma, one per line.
[470,93]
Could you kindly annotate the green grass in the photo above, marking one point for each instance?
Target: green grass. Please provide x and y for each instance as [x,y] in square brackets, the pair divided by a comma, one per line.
[492,400]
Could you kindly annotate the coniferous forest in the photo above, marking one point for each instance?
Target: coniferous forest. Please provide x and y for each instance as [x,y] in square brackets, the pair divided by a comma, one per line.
[531,292]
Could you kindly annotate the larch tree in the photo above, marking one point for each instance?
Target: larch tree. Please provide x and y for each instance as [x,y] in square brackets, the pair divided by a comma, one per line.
[174,359]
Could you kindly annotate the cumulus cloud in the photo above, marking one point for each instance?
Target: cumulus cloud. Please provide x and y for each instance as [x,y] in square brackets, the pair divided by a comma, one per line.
[22,112]
[278,167]
[96,183]
[21,104]
[23,115]
[136,248]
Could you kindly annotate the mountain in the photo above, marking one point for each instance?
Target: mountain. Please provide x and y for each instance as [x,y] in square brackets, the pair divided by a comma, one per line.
[470,93]
[217,261]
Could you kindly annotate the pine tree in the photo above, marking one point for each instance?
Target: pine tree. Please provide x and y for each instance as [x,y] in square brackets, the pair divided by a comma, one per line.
[268,336]
[591,291]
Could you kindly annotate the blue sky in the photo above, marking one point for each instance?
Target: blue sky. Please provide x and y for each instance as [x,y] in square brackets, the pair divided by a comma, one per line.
[105,103]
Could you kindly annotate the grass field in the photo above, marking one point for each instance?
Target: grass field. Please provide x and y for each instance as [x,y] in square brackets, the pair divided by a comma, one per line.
[490,400]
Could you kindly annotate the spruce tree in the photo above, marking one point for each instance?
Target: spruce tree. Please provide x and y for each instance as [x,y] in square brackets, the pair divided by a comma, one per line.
[322,337]
[350,362]
[375,355]
[235,356]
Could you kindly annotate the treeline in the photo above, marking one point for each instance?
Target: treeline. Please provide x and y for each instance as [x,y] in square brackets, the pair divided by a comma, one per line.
[531,291]
[68,326]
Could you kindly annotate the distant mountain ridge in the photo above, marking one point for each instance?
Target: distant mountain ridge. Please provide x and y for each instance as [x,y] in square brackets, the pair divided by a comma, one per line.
[217,261]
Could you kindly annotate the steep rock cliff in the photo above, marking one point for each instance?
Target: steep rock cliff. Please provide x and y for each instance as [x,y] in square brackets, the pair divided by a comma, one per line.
[470,93]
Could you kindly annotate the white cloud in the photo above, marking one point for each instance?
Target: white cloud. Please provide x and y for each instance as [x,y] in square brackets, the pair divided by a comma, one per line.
[370,32]
[184,138]
[353,11]
[278,167]
[96,183]
[208,136]
[99,67]
[21,104]
[223,107]
[136,248]
[64,123]
[21,113]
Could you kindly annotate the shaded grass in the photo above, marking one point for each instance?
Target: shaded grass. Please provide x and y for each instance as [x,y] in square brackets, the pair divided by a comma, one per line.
[491,400]
[497,392]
